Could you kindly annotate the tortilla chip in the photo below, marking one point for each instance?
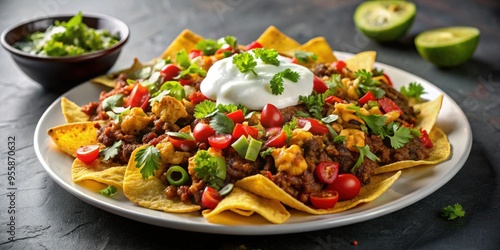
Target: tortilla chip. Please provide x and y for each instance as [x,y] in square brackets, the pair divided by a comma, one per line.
[71,136]
[109,174]
[148,193]
[363,60]
[109,79]
[72,112]
[262,186]
[321,48]
[239,199]
[272,38]
[441,150]
[185,40]
[429,112]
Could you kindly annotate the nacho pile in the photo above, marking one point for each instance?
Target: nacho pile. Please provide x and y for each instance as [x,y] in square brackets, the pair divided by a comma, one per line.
[161,140]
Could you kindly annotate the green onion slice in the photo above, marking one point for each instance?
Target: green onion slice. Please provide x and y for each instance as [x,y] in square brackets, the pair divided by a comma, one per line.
[180,181]
[226,189]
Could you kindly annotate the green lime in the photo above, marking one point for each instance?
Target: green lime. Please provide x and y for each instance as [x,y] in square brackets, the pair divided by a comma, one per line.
[384,20]
[447,47]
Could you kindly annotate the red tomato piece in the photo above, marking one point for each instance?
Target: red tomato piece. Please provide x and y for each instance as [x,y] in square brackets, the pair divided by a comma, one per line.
[347,185]
[87,154]
[139,97]
[253,45]
[210,198]
[339,65]
[317,128]
[195,53]
[202,131]
[327,172]
[389,82]
[251,131]
[237,116]
[185,81]
[333,99]
[197,97]
[182,144]
[226,48]
[271,116]
[276,137]
[319,85]
[244,130]
[425,139]
[367,97]
[220,141]
[295,60]
[387,105]
[325,199]
[169,72]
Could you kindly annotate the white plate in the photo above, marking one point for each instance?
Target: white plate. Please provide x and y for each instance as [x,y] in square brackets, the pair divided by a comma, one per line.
[413,185]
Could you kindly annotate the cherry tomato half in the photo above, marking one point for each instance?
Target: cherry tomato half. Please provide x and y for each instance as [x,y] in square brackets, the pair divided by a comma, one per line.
[317,128]
[347,185]
[339,65]
[210,198]
[253,45]
[271,116]
[87,154]
[195,53]
[237,116]
[202,131]
[276,137]
[220,141]
[327,172]
[367,97]
[139,97]
[319,85]
[324,199]
[169,72]
[182,144]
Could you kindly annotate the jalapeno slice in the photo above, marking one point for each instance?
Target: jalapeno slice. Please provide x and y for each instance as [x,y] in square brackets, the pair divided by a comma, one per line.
[174,171]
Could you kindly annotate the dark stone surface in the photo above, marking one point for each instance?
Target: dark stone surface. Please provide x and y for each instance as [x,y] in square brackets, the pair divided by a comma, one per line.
[47,217]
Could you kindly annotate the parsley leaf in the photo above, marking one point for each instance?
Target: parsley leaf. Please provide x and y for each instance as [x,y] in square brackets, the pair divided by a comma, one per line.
[278,80]
[222,124]
[414,90]
[245,62]
[314,104]
[289,127]
[211,169]
[366,83]
[112,101]
[109,191]
[452,212]
[376,123]
[231,41]
[182,58]
[334,82]
[364,151]
[148,159]
[398,135]
[111,151]
[193,69]
[208,46]
[305,57]
[205,109]
[268,56]
[377,72]
[227,108]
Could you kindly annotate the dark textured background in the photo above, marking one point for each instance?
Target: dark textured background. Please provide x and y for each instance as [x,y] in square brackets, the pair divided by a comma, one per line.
[50,218]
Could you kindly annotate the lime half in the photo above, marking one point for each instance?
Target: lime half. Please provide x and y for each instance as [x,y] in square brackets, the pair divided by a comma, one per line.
[447,47]
[384,20]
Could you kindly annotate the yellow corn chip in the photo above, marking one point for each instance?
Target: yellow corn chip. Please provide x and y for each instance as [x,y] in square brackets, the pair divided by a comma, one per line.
[109,174]
[109,79]
[429,112]
[185,40]
[148,193]
[72,112]
[71,136]
[262,186]
[362,60]
[240,199]
[321,48]
[441,150]
[272,38]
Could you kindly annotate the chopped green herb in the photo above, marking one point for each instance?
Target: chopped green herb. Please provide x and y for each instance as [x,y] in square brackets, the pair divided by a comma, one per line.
[375,122]
[148,159]
[110,152]
[205,109]
[109,191]
[181,135]
[222,124]
[277,81]
[364,151]
[414,90]
[305,57]
[267,152]
[245,62]
[452,212]
[182,58]
[289,127]
[210,168]
[268,56]
[398,135]
[112,102]
[314,104]
[193,69]
[208,46]
[366,83]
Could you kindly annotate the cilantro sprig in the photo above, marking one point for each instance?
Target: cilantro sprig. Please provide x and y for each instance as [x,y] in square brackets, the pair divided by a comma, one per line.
[211,169]
[110,152]
[277,81]
[108,191]
[268,56]
[305,57]
[367,83]
[414,90]
[148,159]
[364,152]
[452,212]
[245,62]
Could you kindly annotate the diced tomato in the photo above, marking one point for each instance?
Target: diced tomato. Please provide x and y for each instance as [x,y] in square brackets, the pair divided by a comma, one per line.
[389,82]
[195,53]
[319,85]
[139,97]
[182,144]
[253,45]
[87,154]
[237,116]
[387,105]
[271,116]
[276,137]
[202,131]
[244,130]
[425,139]
[327,172]
[295,60]
[333,99]
[367,97]
[324,199]
[347,185]
[210,198]
[186,81]
[169,72]
[197,97]
[268,174]
[339,65]
[219,141]
[226,48]
[317,128]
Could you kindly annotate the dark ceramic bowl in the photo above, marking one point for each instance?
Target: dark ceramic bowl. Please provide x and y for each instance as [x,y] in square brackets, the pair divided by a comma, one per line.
[61,73]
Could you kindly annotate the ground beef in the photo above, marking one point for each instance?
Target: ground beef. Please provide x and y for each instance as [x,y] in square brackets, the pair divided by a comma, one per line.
[413,150]
[290,112]
[238,168]
[409,115]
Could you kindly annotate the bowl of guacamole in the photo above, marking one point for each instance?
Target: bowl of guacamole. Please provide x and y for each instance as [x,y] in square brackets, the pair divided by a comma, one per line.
[61,51]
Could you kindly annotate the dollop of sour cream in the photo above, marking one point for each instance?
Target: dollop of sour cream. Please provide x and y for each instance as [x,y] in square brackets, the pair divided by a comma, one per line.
[226,84]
